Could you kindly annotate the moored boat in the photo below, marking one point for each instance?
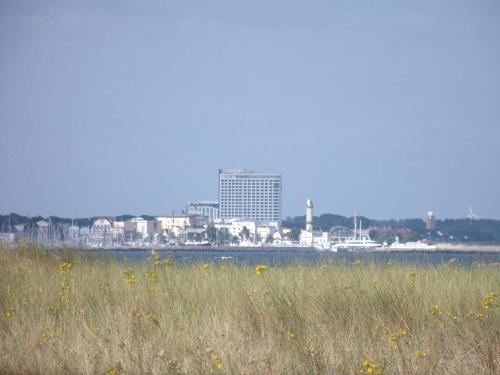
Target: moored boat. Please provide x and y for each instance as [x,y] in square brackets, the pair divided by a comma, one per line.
[410,246]
[355,243]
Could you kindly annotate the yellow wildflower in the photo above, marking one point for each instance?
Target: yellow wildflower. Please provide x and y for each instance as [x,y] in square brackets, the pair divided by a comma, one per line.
[152,319]
[48,337]
[488,300]
[129,278]
[370,367]
[64,271]
[259,270]
[473,314]
[411,278]
[114,370]
[137,312]
[204,266]
[451,316]
[436,310]
[394,338]
[421,354]
[252,295]
[65,267]
[156,260]
[10,312]
[152,276]
[379,327]
[216,362]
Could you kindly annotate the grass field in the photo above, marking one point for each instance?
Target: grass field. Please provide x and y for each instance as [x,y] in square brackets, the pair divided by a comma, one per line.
[64,314]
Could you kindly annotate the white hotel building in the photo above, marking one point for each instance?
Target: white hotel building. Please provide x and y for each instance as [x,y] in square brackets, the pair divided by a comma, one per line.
[248,195]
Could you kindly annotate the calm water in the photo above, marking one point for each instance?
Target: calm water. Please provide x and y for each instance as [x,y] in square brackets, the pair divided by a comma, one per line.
[284,257]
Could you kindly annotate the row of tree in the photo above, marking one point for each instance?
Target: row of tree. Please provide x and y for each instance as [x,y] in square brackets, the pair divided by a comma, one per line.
[449,230]
[223,237]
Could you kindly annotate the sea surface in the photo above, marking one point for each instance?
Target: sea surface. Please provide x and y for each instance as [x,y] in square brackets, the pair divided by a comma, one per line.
[287,257]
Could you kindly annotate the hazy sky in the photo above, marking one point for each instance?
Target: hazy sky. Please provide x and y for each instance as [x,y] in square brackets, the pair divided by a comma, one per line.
[389,108]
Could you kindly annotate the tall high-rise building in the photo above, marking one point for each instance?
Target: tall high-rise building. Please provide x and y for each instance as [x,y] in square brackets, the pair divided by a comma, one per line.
[245,194]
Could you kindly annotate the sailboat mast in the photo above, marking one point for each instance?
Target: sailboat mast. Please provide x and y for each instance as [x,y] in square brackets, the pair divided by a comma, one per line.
[355,225]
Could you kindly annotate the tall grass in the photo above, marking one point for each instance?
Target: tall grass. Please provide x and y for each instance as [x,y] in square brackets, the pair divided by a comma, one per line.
[64,314]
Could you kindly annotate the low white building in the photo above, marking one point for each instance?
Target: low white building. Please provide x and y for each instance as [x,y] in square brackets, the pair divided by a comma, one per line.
[314,239]
[174,221]
[306,238]
[118,231]
[264,231]
[101,225]
[74,233]
[119,224]
[144,227]
[235,227]
[280,240]
[208,209]
[100,233]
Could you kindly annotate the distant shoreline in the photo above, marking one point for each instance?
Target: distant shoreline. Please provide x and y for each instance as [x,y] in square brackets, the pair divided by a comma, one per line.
[441,248]
[447,248]
[468,248]
[204,248]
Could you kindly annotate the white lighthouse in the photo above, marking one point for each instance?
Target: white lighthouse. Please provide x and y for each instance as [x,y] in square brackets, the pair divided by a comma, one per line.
[309,215]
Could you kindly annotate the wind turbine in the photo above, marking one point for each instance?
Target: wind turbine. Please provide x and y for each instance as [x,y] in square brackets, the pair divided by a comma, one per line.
[471,215]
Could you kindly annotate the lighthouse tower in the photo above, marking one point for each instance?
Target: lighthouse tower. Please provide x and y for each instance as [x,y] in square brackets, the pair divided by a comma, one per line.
[309,215]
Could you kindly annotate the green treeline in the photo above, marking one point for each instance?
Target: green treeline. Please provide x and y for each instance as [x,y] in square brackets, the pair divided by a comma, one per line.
[447,230]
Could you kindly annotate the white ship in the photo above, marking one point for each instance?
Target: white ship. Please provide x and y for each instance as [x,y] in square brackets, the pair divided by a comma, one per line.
[356,242]
[197,243]
[410,246]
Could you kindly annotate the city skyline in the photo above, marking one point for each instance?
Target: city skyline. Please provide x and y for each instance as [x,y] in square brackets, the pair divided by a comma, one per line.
[123,107]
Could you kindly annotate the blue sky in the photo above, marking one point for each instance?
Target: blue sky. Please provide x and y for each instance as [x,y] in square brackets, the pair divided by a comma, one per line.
[388,108]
